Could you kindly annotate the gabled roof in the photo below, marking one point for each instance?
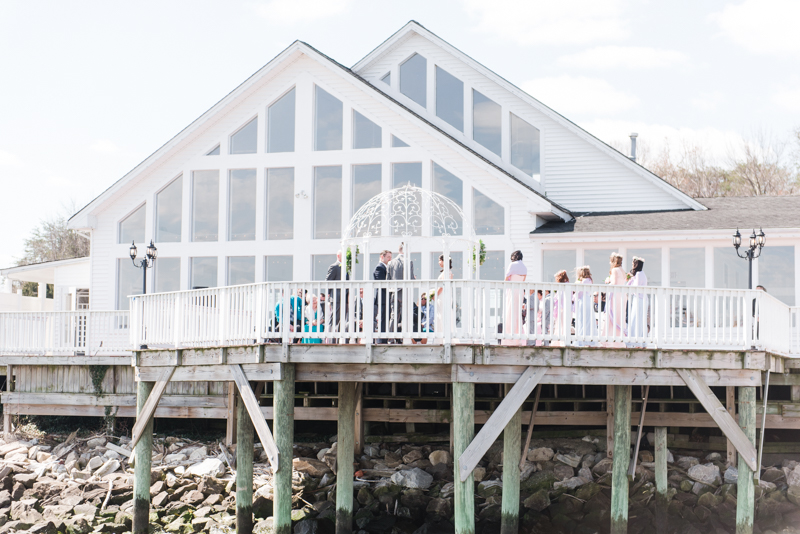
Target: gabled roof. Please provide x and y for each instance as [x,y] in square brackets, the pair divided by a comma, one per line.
[82,220]
[413,27]
[43,272]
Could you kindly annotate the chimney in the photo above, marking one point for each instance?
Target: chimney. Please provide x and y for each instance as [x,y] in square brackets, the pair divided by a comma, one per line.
[633,145]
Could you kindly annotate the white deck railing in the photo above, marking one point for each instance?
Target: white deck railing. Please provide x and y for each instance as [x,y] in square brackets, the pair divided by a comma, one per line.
[64,333]
[466,311]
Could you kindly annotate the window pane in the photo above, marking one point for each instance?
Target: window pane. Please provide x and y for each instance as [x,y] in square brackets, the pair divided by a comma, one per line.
[558,260]
[279,268]
[524,146]
[486,121]
[687,267]
[398,143]
[321,263]
[214,151]
[205,205]
[204,273]
[450,99]
[414,79]
[776,272]
[652,263]
[168,212]
[730,271]
[328,121]
[131,228]
[244,141]
[242,205]
[280,124]
[458,265]
[599,262]
[493,267]
[241,270]
[168,274]
[327,202]
[447,184]
[366,134]
[280,203]
[406,173]
[489,216]
[129,282]
[366,184]
[387,78]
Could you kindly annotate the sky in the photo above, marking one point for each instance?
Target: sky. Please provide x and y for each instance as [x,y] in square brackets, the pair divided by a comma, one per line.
[90,89]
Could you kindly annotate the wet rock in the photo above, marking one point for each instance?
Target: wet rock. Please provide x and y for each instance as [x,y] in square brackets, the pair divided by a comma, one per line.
[414,478]
[440,457]
[705,473]
[571,459]
[310,466]
[541,454]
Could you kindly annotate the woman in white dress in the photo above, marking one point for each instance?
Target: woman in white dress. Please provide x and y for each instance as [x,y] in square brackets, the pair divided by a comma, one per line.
[438,310]
[638,303]
[615,302]
[585,324]
[561,308]
[512,318]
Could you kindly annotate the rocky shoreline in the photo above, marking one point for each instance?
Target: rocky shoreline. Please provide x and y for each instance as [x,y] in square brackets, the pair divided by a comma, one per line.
[80,485]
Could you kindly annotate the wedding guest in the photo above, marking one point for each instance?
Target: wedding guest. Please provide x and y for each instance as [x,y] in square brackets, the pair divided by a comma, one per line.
[396,269]
[440,304]
[314,320]
[381,305]
[615,301]
[638,303]
[561,304]
[539,317]
[512,318]
[335,296]
[585,324]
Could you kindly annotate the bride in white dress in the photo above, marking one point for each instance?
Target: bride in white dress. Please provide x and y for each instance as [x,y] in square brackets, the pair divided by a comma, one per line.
[438,322]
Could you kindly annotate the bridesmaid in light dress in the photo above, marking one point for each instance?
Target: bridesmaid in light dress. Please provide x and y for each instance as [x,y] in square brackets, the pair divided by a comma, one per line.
[584,308]
[438,310]
[615,302]
[512,318]
[561,304]
[638,305]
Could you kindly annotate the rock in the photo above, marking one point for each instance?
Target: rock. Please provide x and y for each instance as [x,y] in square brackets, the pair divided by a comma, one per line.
[713,457]
[87,510]
[439,507]
[267,526]
[570,483]
[487,488]
[571,459]
[731,475]
[14,446]
[768,487]
[792,476]
[537,481]
[705,473]
[479,473]
[793,494]
[160,500]
[175,458]
[771,474]
[414,478]
[563,472]
[262,507]
[686,485]
[5,499]
[538,501]
[112,455]
[94,463]
[709,500]
[310,466]
[42,456]
[208,467]
[78,525]
[685,462]
[96,442]
[108,467]
[440,457]
[412,456]
[43,527]
[194,497]
[306,526]
[321,454]
[586,473]
[198,454]
[26,479]
[542,454]
[602,467]
[699,488]
[17,491]
[646,456]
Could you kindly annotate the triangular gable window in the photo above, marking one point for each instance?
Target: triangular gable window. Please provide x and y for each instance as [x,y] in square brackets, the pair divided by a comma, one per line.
[213,152]
[366,134]
[387,78]
[244,140]
[280,124]
[131,228]
[414,79]
[489,216]
[398,143]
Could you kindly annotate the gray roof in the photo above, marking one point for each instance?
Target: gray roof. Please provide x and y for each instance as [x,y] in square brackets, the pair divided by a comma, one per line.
[723,213]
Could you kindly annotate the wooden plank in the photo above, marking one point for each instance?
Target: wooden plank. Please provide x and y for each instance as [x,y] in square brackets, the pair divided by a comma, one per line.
[158,358]
[244,354]
[498,421]
[785,379]
[213,373]
[176,412]
[207,356]
[83,399]
[361,372]
[144,452]
[723,419]
[745,491]
[621,459]
[463,431]
[253,409]
[344,457]
[730,405]
[244,466]
[145,415]
[230,416]
[662,487]
[284,438]
[512,438]
[121,359]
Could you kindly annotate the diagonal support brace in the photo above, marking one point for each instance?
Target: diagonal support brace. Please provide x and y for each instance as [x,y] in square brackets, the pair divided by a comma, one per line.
[150,405]
[250,402]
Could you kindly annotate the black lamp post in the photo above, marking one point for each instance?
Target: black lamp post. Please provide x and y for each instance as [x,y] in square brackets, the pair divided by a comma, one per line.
[147,262]
[757,242]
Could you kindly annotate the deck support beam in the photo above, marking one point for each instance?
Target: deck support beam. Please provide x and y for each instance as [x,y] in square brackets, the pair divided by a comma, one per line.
[662,487]
[244,470]
[143,454]
[283,424]
[248,398]
[512,439]
[345,452]
[463,431]
[144,416]
[745,492]
[621,459]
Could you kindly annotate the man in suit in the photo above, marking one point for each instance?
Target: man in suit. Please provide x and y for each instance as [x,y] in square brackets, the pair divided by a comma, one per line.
[381,305]
[396,268]
[335,296]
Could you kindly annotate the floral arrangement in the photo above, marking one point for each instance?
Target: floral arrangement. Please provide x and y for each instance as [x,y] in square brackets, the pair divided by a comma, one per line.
[482,252]
[349,259]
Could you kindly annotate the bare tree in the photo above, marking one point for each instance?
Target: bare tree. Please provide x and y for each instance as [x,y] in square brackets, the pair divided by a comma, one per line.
[762,166]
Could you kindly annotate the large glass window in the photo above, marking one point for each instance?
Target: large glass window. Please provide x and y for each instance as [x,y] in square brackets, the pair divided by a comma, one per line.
[599,262]
[321,262]
[458,265]
[486,122]
[449,99]
[730,271]
[493,267]
[366,134]
[203,272]
[406,173]
[524,146]
[414,79]
[279,268]
[244,140]
[652,263]
[280,124]
[242,205]
[327,202]
[776,272]
[168,212]
[241,270]
[129,282]
[280,203]
[328,120]
[398,143]
[448,184]
[489,216]
[131,228]
[687,267]
[554,261]
[205,206]
[366,184]
[374,258]
[167,274]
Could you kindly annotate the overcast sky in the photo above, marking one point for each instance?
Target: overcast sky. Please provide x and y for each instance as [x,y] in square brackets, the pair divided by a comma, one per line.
[90,89]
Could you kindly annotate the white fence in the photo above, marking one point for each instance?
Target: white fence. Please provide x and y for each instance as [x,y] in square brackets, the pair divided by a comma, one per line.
[466,311]
[68,333]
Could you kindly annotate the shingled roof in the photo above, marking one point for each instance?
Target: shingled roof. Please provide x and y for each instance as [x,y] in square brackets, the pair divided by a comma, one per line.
[722,213]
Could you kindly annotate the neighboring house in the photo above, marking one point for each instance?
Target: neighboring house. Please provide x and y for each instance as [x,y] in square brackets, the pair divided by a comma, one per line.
[69,278]
[261,185]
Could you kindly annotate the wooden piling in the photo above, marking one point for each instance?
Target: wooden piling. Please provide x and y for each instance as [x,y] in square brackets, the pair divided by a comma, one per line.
[345,450]
[621,459]
[745,496]
[512,439]
[141,471]
[662,500]
[283,428]
[244,469]
[463,432]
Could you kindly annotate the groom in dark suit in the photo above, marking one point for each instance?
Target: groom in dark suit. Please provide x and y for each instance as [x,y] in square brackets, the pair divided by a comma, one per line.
[335,296]
[381,304]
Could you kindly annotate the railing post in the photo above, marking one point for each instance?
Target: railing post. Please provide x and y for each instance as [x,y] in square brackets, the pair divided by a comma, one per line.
[751,317]
[368,314]
[259,312]
[133,324]
[224,315]
[285,315]
[177,326]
